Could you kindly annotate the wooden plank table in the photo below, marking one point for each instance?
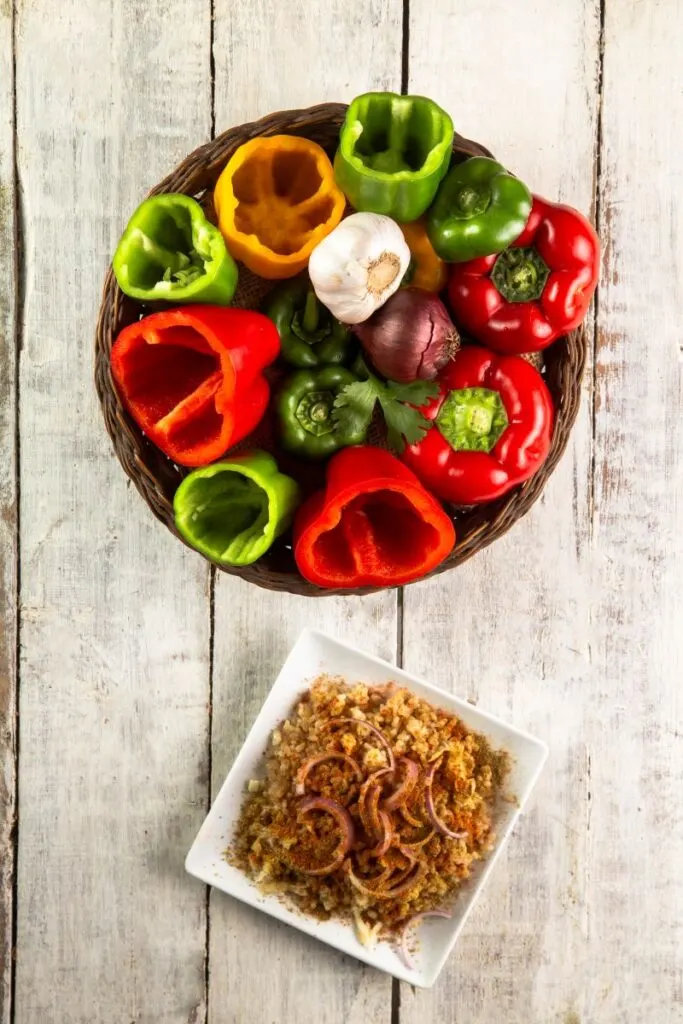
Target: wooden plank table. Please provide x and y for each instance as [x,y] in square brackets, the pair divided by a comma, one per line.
[129,675]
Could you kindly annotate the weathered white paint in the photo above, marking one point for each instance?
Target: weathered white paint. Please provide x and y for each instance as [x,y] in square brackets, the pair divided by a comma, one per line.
[570,624]
[556,625]
[634,720]
[8,519]
[278,974]
[115,627]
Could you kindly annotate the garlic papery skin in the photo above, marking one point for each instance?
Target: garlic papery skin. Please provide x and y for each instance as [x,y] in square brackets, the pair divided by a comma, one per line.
[359,265]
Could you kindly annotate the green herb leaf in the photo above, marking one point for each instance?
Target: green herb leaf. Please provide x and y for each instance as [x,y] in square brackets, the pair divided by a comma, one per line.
[355,404]
[417,392]
[405,424]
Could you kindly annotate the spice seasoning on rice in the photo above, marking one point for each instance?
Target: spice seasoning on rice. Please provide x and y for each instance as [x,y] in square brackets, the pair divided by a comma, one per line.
[374,807]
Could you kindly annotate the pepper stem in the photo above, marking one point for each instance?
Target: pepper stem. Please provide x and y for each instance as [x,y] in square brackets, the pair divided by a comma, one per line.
[311,316]
[470,202]
[314,412]
[520,274]
[472,419]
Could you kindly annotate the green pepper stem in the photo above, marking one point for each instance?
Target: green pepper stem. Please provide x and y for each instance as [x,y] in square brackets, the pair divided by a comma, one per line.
[520,274]
[314,412]
[311,316]
[471,201]
[472,419]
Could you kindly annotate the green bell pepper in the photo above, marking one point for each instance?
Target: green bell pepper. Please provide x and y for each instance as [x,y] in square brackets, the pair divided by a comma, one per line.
[170,252]
[309,334]
[480,209]
[232,511]
[305,409]
[393,152]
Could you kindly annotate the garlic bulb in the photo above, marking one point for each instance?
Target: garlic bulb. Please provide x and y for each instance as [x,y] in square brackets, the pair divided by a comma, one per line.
[359,265]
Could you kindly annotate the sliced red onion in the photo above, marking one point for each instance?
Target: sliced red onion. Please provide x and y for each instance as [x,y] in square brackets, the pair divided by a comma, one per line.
[362,884]
[370,818]
[343,819]
[429,804]
[404,952]
[387,837]
[401,794]
[409,854]
[378,733]
[306,768]
[418,842]
[372,886]
[403,885]
[411,819]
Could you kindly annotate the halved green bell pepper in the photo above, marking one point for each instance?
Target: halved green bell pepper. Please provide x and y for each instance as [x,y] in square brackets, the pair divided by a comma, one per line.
[309,334]
[232,511]
[393,152]
[305,409]
[170,252]
[480,209]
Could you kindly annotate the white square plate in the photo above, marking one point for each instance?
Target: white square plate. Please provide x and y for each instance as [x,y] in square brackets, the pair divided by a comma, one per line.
[313,654]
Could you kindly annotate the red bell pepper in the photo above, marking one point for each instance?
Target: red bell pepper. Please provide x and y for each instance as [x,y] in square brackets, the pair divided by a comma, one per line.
[192,378]
[525,297]
[373,525]
[493,422]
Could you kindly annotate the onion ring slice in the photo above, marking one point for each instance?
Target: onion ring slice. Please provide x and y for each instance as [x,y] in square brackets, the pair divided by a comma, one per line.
[343,819]
[404,790]
[305,768]
[373,728]
[429,804]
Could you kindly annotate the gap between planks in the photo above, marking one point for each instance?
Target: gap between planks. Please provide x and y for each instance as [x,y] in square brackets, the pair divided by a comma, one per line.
[19,297]
[597,221]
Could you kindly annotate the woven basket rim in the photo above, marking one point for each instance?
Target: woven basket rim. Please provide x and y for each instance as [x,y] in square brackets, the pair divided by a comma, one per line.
[154,475]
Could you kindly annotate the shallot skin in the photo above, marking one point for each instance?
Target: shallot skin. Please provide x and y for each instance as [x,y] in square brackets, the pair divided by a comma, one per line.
[411,337]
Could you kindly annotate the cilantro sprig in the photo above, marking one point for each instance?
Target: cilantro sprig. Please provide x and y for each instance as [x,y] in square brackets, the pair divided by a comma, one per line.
[354,406]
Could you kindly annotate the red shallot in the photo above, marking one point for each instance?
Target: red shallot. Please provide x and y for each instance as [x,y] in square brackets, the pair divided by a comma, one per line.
[410,337]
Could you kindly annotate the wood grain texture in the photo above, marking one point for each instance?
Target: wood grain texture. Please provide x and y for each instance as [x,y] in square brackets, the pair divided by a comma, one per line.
[634,882]
[269,56]
[8,510]
[114,660]
[510,629]
[569,626]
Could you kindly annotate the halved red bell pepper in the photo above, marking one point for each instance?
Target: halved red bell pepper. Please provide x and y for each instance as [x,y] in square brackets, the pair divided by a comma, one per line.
[493,422]
[522,299]
[373,525]
[192,378]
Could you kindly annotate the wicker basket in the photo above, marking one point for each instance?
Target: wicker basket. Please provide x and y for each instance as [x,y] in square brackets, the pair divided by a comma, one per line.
[157,478]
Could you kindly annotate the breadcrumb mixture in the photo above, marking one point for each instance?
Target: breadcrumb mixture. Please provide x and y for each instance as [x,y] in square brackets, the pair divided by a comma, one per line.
[372,847]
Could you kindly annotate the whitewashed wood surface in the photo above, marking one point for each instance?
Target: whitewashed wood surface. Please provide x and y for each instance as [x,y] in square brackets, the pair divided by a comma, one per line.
[129,677]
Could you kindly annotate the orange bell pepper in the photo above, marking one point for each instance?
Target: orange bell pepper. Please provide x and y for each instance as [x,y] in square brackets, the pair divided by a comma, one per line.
[276,199]
[430,272]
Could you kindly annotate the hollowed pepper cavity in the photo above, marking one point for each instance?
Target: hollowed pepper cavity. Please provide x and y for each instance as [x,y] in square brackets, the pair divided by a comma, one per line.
[276,199]
[393,152]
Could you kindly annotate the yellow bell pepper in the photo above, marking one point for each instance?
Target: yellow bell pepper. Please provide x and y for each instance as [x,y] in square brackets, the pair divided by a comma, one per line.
[276,199]
[429,271]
